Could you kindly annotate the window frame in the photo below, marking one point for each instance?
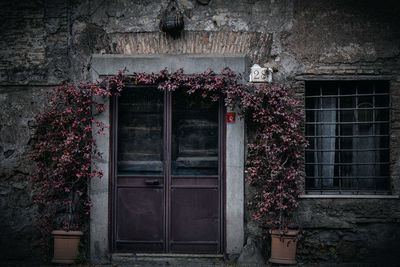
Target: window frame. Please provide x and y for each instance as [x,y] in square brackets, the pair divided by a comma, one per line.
[337,82]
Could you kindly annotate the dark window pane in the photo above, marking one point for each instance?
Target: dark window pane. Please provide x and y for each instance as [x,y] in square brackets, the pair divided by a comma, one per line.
[310,129]
[346,129]
[384,170]
[381,115]
[366,142]
[326,116]
[383,142]
[329,102]
[313,103]
[194,135]
[365,101]
[382,100]
[310,116]
[346,170]
[349,183]
[382,184]
[140,131]
[310,183]
[365,87]
[365,129]
[310,141]
[309,170]
[366,184]
[329,88]
[382,128]
[313,89]
[348,88]
[346,142]
[348,102]
[347,116]
[381,87]
[328,129]
[365,115]
[310,157]
[346,157]
[382,156]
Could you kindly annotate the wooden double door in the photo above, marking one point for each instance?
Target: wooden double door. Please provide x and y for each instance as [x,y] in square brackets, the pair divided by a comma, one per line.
[167,172]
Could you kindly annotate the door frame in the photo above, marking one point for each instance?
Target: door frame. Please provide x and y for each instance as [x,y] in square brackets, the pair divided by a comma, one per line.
[100,189]
[167,120]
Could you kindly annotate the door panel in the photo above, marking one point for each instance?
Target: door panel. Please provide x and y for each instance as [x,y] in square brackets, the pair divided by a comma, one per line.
[167,185]
[194,214]
[148,207]
[140,197]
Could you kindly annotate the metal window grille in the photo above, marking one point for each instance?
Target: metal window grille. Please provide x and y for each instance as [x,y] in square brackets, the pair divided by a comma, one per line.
[347,127]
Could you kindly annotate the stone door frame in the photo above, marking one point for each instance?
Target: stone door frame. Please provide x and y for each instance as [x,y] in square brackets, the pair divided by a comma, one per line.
[100,189]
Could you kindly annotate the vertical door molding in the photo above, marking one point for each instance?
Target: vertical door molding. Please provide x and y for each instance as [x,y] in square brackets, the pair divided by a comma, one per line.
[234,186]
[100,189]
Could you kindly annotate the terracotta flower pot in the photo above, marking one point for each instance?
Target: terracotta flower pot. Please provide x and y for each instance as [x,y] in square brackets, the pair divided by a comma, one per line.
[66,246]
[283,247]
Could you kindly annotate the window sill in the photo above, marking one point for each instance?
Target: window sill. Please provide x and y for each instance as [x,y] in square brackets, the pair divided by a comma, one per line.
[350,196]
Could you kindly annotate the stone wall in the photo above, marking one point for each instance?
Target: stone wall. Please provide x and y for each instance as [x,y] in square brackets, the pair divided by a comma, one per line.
[46,43]
[349,230]
[18,236]
[346,39]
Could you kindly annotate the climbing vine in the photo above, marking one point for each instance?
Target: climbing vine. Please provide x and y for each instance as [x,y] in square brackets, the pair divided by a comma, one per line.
[66,149]
[275,149]
[63,153]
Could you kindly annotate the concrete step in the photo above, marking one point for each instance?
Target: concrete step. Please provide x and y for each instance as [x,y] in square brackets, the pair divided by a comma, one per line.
[159,259]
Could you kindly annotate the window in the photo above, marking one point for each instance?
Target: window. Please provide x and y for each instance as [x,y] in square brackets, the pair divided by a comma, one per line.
[347,127]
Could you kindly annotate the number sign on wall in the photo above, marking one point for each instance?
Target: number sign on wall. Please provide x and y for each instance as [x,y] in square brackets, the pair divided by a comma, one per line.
[258,74]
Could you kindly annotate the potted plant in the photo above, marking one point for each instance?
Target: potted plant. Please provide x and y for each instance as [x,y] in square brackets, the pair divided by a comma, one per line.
[63,152]
[274,167]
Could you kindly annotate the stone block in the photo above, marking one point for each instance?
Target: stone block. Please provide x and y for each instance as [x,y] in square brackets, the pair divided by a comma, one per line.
[251,255]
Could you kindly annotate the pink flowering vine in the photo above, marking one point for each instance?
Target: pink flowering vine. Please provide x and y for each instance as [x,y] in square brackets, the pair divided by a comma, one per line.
[274,162]
[63,153]
[66,148]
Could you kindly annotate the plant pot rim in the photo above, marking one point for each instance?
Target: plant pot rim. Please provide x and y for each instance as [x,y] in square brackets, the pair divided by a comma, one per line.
[284,233]
[62,232]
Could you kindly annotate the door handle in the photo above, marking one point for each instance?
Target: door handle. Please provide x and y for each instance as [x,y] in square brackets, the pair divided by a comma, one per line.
[152,182]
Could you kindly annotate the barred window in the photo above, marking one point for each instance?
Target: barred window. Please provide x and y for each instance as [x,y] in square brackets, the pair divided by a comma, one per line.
[347,127]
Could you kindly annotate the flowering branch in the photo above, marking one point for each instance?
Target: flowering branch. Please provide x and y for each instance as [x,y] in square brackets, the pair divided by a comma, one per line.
[66,146]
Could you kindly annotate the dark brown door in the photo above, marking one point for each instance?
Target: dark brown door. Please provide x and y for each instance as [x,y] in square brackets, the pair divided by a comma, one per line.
[167,172]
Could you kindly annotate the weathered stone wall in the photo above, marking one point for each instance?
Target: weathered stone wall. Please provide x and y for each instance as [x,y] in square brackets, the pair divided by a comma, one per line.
[345,38]
[18,235]
[349,230]
[33,58]
[45,43]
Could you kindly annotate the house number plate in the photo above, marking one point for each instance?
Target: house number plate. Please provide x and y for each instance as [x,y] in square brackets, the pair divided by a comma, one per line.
[259,75]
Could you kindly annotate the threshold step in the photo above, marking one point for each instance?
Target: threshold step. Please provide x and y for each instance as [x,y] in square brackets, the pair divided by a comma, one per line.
[163,259]
[174,255]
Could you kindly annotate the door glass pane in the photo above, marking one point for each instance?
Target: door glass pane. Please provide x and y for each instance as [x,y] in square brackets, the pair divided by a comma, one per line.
[194,135]
[140,131]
